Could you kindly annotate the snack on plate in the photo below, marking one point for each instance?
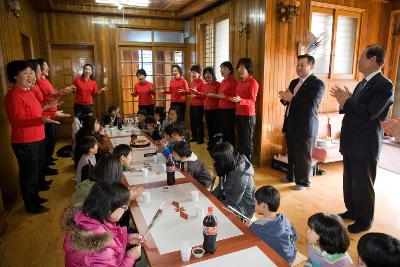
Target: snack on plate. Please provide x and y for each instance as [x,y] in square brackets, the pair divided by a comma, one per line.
[140,143]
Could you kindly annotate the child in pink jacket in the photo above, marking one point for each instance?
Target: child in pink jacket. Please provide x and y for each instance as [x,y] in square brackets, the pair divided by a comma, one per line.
[92,238]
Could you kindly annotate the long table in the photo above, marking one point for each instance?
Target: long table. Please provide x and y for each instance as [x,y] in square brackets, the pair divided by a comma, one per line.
[235,241]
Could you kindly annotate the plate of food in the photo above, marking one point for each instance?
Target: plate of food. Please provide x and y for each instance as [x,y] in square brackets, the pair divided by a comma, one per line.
[138,143]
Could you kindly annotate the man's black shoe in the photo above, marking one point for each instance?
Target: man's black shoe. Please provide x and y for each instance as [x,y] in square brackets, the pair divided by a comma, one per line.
[50,171]
[40,209]
[346,215]
[194,139]
[42,200]
[357,228]
[44,188]
[51,163]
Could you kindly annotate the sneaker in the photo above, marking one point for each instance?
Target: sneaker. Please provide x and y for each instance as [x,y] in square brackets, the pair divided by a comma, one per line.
[298,187]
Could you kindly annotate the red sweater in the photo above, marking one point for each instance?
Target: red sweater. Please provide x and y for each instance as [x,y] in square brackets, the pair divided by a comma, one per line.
[228,88]
[247,90]
[85,91]
[38,94]
[24,113]
[197,100]
[145,92]
[174,85]
[210,103]
[47,90]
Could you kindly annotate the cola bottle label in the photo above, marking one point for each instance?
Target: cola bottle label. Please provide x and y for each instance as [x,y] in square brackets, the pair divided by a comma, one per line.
[210,230]
[171,168]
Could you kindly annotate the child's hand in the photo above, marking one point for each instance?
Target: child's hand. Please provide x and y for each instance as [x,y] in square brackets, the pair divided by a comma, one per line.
[135,252]
[134,239]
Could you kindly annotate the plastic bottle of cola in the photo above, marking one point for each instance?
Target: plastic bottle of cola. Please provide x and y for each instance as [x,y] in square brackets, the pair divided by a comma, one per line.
[210,230]
[170,170]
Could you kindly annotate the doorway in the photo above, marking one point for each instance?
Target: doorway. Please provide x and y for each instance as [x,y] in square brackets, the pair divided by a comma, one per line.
[67,62]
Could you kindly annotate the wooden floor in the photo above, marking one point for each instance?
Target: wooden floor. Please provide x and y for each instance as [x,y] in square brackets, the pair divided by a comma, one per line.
[37,240]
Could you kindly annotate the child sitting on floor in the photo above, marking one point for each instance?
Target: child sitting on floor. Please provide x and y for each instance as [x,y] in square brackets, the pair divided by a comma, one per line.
[328,241]
[88,159]
[123,153]
[188,161]
[378,249]
[274,228]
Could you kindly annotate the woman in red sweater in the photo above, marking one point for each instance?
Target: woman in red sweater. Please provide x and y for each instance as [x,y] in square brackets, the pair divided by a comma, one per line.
[178,88]
[86,89]
[24,113]
[197,107]
[145,91]
[246,89]
[208,91]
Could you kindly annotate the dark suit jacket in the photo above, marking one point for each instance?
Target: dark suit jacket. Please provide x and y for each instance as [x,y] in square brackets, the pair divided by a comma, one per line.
[302,122]
[107,120]
[361,135]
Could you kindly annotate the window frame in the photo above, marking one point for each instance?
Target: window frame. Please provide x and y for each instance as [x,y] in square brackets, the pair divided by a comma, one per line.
[336,11]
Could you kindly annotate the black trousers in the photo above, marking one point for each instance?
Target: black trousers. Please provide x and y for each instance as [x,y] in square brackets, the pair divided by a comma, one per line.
[227,124]
[245,130]
[212,124]
[181,106]
[51,138]
[299,158]
[85,109]
[28,157]
[196,122]
[148,108]
[358,188]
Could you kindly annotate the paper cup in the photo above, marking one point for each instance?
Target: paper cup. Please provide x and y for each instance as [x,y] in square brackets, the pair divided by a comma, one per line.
[146,196]
[200,213]
[186,250]
[195,195]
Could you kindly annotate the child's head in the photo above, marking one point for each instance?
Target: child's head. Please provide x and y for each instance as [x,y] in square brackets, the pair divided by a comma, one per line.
[151,123]
[179,133]
[182,150]
[106,202]
[267,199]
[168,130]
[107,170]
[141,115]
[159,113]
[89,145]
[90,124]
[123,153]
[328,232]
[113,111]
[173,115]
[378,249]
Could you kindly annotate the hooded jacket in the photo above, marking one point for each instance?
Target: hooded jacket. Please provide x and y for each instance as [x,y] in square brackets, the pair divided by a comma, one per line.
[88,242]
[237,189]
[196,169]
[279,234]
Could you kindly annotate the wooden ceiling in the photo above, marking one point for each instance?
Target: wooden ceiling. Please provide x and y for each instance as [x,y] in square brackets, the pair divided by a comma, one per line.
[174,9]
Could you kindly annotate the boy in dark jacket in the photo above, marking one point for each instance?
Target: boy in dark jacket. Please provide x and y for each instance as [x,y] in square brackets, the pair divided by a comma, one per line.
[188,161]
[151,126]
[274,228]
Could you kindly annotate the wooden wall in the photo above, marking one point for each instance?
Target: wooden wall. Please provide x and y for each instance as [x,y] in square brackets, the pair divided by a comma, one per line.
[102,33]
[11,48]
[281,41]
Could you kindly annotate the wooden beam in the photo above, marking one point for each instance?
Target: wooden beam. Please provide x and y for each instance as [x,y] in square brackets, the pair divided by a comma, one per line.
[334,6]
[196,7]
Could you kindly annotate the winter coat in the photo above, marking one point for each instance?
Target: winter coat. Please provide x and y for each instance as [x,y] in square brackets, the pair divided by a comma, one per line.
[196,169]
[88,242]
[237,189]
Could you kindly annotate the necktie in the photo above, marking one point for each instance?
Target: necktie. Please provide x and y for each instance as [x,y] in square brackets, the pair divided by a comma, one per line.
[359,88]
[296,88]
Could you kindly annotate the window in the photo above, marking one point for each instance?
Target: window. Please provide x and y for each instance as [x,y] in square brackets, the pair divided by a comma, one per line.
[337,59]
[209,45]
[221,45]
[215,46]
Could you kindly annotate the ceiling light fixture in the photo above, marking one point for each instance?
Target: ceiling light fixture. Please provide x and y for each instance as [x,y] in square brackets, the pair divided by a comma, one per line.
[136,3]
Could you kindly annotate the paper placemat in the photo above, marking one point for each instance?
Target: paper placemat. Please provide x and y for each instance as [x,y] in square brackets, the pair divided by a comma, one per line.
[156,174]
[252,256]
[171,229]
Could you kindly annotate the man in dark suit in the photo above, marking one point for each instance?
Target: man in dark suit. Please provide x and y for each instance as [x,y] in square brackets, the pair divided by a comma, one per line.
[300,126]
[361,136]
